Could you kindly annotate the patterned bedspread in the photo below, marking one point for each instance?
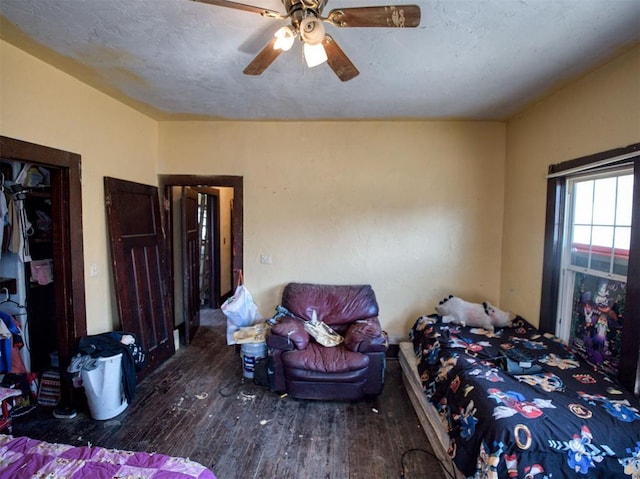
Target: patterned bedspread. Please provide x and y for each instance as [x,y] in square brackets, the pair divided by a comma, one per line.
[518,404]
[22,457]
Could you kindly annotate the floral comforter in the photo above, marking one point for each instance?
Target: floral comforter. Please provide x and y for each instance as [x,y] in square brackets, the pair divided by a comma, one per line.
[518,404]
[24,458]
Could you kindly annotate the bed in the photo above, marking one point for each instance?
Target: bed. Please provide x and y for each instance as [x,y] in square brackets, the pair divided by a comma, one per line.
[22,457]
[517,404]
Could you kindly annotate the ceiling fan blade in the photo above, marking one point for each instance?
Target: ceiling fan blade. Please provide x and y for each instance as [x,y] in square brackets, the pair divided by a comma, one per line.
[338,60]
[265,12]
[395,16]
[263,59]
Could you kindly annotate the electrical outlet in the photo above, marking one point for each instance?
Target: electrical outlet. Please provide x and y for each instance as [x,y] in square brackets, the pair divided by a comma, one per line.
[93,269]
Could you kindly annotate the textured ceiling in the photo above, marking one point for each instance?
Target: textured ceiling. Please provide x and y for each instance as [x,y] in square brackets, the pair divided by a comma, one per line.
[473,59]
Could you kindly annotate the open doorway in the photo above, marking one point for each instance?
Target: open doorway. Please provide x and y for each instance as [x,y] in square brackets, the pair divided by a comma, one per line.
[203,221]
[214,209]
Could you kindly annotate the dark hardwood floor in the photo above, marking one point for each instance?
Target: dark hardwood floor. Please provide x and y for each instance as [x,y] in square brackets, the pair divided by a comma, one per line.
[198,405]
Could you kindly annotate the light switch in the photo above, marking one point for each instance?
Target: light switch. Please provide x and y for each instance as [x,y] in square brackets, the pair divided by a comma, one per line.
[265,258]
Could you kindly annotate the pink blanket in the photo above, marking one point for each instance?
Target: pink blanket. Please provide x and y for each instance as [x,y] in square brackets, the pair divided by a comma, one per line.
[22,457]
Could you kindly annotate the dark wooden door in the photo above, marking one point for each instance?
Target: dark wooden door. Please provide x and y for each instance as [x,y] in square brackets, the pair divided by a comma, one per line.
[139,270]
[190,263]
[213,224]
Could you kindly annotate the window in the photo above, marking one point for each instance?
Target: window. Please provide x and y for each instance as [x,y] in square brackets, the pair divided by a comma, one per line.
[595,259]
[591,271]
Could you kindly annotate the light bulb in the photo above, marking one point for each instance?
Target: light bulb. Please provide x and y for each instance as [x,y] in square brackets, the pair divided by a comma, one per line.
[284,39]
[314,54]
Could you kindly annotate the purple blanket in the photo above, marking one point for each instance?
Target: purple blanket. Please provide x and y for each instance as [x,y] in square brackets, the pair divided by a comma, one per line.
[22,457]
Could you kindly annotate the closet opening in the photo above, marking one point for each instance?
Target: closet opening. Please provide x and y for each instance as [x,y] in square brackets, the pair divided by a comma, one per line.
[43,269]
[27,262]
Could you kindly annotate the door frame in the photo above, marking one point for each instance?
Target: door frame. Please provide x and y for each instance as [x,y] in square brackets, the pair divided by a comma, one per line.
[165,182]
[213,211]
[68,267]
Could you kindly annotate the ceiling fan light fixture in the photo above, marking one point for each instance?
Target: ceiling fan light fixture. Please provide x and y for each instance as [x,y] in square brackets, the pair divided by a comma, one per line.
[314,54]
[306,20]
[312,30]
[284,38]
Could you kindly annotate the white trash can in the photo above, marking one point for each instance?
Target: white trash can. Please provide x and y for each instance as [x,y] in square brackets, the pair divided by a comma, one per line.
[103,387]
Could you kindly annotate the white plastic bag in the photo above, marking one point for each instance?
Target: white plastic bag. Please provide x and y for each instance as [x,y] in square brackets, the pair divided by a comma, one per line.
[322,332]
[240,310]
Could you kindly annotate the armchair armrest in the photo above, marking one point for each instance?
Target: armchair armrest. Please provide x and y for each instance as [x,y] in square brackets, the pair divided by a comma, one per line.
[366,336]
[286,331]
[279,342]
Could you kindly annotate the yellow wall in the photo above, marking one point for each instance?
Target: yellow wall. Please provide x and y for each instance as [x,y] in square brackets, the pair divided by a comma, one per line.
[226,253]
[599,112]
[42,105]
[414,208]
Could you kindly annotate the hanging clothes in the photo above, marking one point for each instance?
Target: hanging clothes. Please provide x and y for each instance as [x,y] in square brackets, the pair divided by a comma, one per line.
[4,217]
[10,360]
[4,331]
[21,229]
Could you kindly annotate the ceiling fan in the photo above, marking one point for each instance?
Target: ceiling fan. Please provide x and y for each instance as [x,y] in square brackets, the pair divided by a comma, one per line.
[307,24]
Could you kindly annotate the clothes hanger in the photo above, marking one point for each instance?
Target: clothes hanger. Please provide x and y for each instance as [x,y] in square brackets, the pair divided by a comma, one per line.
[8,299]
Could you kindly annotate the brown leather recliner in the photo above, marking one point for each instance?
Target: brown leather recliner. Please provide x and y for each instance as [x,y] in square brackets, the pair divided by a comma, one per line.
[307,370]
